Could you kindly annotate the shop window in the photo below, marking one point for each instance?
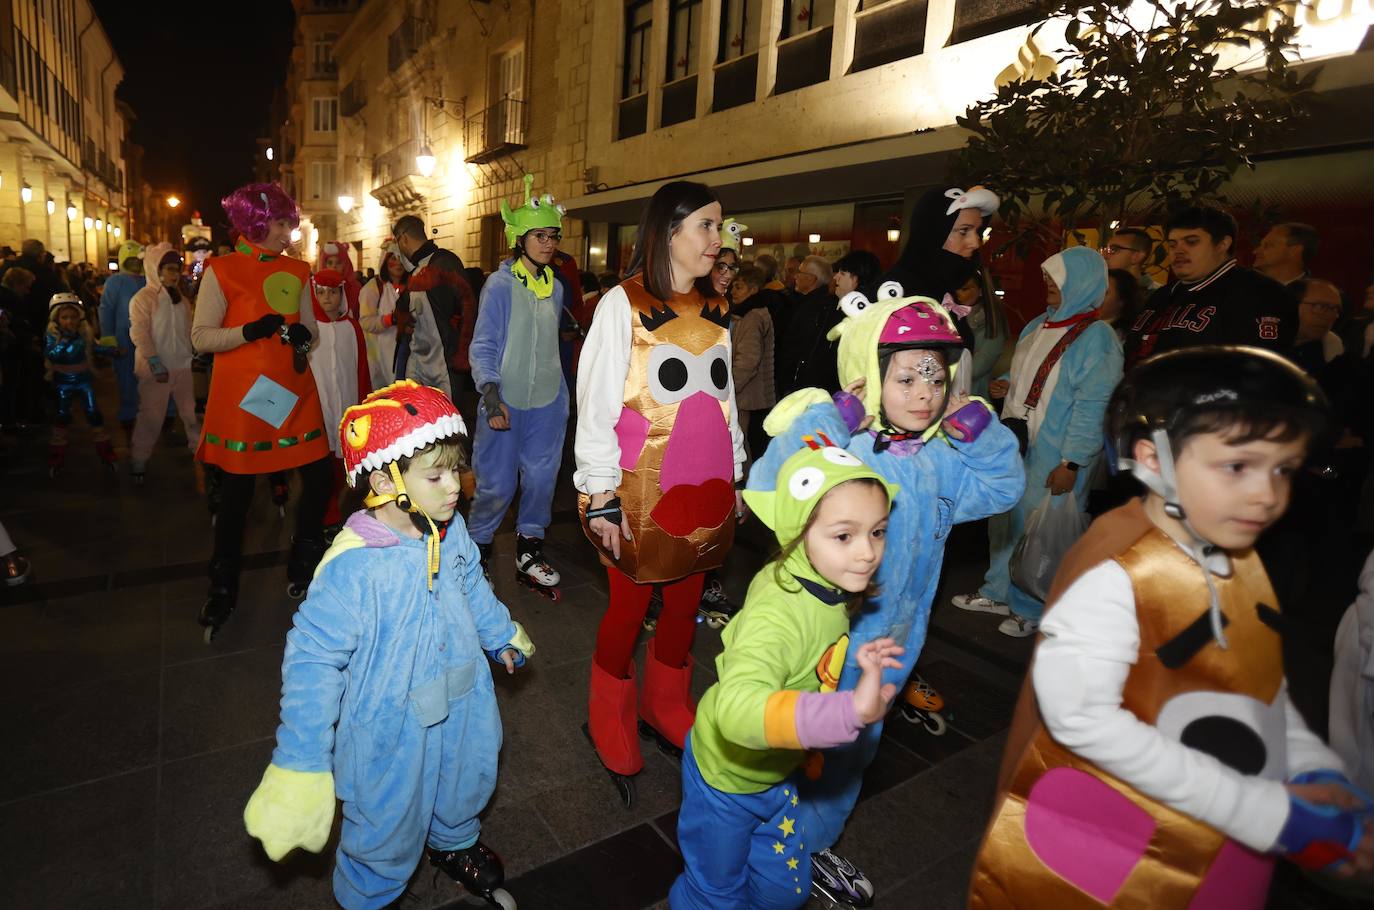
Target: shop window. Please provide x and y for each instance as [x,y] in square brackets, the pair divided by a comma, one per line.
[634,109]
[886,31]
[976,18]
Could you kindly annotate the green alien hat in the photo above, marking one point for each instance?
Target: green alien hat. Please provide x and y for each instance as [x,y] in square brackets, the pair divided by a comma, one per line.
[803,479]
[731,233]
[129,249]
[537,212]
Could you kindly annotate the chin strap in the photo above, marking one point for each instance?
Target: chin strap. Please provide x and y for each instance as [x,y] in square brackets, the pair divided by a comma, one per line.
[1211,558]
[402,499]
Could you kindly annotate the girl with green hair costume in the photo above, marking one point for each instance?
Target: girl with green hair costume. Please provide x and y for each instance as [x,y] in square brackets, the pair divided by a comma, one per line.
[957,465]
[738,829]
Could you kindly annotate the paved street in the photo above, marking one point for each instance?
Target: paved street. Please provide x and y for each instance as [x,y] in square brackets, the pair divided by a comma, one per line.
[132,746]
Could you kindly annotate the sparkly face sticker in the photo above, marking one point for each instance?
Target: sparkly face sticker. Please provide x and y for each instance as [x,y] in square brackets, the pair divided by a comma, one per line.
[914,390]
[930,369]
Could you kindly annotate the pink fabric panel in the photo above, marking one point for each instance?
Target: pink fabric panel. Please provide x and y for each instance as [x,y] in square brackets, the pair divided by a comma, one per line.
[699,448]
[1237,880]
[1085,831]
[631,431]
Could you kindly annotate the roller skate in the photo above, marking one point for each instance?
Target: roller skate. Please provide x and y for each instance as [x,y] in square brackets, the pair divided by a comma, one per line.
[715,609]
[14,569]
[305,555]
[532,571]
[655,608]
[921,704]
[838,883]
[610,729]
[57,458]
[666,710]
[280,491]
[476,868]
[222,597]
[138,472]
[105,449]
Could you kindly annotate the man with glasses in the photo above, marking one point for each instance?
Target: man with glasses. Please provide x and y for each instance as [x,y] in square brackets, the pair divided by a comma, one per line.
[1129,250]
[804,358]
[523,412]
[1286,252]
[1319,306]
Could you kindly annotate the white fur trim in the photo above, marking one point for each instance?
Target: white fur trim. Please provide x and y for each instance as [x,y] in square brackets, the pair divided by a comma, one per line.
[409,444]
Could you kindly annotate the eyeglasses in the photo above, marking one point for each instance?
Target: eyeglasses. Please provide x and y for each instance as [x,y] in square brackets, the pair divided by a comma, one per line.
[546,236]
[1323,307]
[1112,249]
[725,267]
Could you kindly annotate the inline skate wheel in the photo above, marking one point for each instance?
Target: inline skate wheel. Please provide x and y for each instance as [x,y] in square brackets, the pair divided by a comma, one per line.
[935,724]
[500,897]
[281,511]
[295,591]
[209,634]
[715,622]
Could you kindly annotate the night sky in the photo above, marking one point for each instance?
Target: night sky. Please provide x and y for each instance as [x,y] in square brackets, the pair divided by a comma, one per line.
[200,78]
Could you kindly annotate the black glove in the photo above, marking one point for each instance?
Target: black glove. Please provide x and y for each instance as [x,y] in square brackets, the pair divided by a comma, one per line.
[298,336]
[263,327]
[491,399]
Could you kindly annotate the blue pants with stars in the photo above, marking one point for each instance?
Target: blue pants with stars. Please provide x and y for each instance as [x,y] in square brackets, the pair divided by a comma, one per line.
[743,851]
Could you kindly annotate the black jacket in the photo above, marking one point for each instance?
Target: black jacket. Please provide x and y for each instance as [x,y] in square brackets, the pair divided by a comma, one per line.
[1233,305]
[803,357]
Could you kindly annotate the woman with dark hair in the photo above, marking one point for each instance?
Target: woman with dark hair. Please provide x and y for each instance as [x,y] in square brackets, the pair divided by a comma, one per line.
[377,316]
[857,270]
[254,313]
[1122,302]
[658,450]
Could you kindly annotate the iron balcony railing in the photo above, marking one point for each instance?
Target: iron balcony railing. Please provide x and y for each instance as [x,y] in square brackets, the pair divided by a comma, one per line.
[496,131]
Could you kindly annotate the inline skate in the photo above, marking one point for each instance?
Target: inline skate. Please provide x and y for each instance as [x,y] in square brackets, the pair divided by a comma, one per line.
[476,868]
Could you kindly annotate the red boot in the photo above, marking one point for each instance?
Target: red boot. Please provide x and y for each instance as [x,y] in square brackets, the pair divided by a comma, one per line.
[105,449]
[667,708]
[611,721]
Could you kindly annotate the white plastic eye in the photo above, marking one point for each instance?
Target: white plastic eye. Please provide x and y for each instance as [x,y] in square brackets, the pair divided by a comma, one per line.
[535,203]
[837,455]
[890,290]
[806,483]
[854,303]
[561,210]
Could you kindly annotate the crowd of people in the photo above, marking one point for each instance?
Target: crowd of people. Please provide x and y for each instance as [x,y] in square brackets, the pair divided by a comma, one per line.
[841,404]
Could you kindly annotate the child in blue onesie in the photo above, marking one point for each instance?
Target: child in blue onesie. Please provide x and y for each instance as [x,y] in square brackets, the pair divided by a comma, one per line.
[386,699]
[953,462]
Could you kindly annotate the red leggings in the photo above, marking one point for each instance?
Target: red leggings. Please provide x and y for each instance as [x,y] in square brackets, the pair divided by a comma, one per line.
[677,622]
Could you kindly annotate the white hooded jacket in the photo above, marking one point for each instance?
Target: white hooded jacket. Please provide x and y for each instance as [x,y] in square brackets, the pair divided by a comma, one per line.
[158,327]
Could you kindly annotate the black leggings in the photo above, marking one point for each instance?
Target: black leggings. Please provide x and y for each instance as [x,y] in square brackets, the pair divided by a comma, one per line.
[236,495]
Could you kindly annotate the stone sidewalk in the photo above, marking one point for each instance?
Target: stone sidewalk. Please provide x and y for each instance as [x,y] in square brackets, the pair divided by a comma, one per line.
[132,745]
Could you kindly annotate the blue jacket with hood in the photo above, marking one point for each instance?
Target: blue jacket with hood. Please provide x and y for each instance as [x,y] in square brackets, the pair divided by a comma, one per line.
[942,483]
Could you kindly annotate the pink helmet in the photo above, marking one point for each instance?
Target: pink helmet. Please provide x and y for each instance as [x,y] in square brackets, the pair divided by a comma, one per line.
[921,324]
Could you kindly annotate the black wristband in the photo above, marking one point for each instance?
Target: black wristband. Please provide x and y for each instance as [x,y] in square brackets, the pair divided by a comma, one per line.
[1072,466]
[610,511]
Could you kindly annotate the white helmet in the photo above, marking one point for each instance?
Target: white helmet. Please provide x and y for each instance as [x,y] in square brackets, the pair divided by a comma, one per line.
[63,298]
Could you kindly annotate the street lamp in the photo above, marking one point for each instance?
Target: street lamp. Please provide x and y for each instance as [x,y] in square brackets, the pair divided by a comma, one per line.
[424,162]
[100,224]
[345,204]
[269,153]
[173,202]
[88,222]
[52,206]
[26,193]
[118,231]
[295,235]
[71,212]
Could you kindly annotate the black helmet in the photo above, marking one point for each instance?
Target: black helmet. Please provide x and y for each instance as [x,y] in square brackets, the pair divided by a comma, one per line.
[1257,386]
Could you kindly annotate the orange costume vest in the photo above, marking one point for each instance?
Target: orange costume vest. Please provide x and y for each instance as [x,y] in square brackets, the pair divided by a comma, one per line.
[677,457]
[1066,834]
[262,415]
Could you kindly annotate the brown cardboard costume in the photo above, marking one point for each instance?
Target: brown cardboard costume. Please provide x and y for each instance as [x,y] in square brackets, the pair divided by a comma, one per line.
[676,452]
[1066,834]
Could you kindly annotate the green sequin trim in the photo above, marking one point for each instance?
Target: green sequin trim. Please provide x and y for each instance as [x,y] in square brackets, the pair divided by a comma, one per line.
[284,442]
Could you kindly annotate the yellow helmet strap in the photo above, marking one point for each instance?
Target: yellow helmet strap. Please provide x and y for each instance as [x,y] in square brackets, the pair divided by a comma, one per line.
[376,500]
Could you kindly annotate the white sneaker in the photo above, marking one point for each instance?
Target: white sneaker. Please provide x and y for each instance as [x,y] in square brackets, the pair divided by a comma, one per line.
[977,603]
[1019,626]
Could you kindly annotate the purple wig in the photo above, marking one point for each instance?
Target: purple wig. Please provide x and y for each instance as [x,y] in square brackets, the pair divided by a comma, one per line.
[252,208]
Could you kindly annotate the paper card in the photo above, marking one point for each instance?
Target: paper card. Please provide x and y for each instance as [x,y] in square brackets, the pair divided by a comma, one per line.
[269,401]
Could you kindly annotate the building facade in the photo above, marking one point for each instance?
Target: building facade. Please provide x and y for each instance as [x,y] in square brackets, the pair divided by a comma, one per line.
[62,178]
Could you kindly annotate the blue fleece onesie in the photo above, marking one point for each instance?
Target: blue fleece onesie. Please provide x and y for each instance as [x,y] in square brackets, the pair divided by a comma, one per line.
[385,684]
[1071,428]
[114,320]
[942,483]
[515,346]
